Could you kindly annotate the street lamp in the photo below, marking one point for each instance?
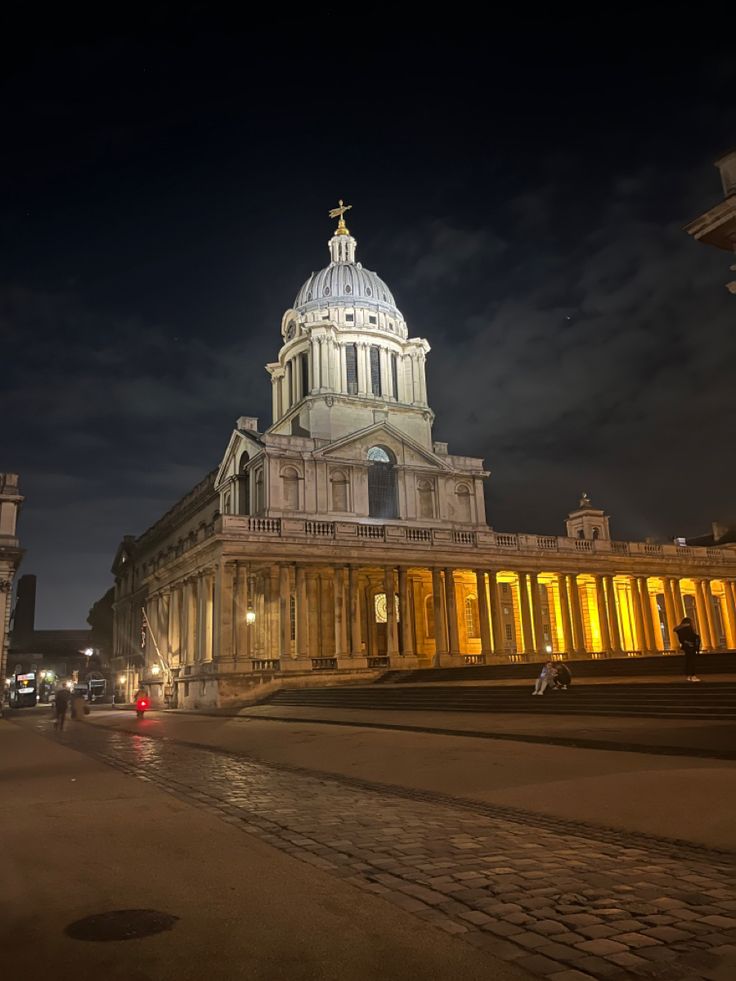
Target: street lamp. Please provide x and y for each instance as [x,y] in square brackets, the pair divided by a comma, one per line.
[155,669]
[89,651]
[250,616]
[121,679]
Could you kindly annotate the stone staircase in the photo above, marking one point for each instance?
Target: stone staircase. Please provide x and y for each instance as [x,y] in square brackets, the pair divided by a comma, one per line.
[718,662]
[707,701]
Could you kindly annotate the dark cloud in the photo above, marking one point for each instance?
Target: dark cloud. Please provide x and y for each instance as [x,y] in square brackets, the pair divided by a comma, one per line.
[170,187]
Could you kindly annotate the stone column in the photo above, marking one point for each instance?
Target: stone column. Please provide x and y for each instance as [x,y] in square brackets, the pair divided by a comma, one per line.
[702,612]
[389,585]
[641,637]
[407,640]
[356,640]
[525,613]
[499,642]
[284,612]
[577,615]
[539,645]
[302,613]
[341,646]
[646,613]
[600,596]
[679,604]
[613,615]
[440,642]
[483,613]
[313,630]
[201,620]
[451,604]
[729,607]
[709,614]
[670,616]
[565,611]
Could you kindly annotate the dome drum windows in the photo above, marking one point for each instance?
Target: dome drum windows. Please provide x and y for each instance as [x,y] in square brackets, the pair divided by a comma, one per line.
[351,368]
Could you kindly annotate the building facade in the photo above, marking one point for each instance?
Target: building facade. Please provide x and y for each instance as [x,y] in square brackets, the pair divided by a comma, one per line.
[10,556]
[717,226]
[343,539]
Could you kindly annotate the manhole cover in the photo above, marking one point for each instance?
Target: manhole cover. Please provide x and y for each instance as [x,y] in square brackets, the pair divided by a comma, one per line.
[120,924]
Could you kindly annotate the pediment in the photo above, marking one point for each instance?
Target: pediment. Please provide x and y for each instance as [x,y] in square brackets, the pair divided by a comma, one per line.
[408,452]
[239,441]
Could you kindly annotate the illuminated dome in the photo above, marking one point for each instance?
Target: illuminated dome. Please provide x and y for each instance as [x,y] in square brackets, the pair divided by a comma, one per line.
[345,285]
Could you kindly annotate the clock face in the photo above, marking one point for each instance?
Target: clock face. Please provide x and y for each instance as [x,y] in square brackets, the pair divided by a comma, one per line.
[291,330]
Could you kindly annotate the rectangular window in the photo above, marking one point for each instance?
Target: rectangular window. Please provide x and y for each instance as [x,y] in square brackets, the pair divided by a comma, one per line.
[509,633]
[350,317]
[304,366]
[395,375]
[351,368]
[375,371]
[292,617]
[372,320]
[290,382]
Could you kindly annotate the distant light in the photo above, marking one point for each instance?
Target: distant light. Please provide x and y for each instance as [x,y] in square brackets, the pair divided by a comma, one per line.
[89,652]
[121,679]
[548,648]
[70,685]
[155,668]
[250,616]
[43,674]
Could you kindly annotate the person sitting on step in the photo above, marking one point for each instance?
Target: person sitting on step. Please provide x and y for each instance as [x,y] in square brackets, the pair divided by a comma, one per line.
[546,677]
[563,676]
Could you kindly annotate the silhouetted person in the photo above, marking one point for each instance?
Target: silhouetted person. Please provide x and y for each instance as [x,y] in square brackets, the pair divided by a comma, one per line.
[61,704]
[690,646]
[563,675]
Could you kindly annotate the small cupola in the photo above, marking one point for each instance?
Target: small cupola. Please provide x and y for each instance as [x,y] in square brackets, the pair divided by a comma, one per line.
[588,522]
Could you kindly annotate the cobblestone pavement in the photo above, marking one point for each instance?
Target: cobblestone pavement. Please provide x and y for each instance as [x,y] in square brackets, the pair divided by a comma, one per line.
[565,901]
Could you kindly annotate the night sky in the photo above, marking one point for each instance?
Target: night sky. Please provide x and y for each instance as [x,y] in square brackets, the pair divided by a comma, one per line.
[521,187]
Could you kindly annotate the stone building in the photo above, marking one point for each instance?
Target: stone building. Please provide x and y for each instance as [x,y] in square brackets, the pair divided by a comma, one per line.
[10,556]
[717,226]
[343,539]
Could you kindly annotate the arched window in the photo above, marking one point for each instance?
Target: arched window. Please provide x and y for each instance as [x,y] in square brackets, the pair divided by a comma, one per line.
[382,496]
[462,496]
[596,533]
[260,497]
[339,483]
[472,624]
[243,484]
[290,484]
[581,533]
[426,499]
[227,503]
[429,615]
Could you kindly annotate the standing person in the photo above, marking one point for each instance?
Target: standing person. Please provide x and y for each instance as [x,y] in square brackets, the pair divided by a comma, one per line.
[546,677]
[61,704]
[689,645]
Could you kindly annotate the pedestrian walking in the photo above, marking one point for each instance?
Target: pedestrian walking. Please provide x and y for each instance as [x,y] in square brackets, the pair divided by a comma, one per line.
[546,677]
[563,676]
[689,645]
[61,704]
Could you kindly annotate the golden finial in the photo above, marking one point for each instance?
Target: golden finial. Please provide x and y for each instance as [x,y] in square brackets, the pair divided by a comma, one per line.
[342,228]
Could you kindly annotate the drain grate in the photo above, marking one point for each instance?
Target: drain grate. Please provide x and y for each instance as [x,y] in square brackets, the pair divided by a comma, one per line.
[120,924]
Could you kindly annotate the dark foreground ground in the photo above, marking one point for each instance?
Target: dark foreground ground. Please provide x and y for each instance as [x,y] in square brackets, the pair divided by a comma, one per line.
[322,851]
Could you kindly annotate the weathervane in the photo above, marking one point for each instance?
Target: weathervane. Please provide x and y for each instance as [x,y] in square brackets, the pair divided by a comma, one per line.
[339,212]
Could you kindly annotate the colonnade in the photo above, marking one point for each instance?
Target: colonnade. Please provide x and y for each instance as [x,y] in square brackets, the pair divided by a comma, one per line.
[300,612]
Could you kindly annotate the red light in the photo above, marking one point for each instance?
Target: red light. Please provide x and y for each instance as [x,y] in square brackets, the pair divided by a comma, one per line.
[142,703]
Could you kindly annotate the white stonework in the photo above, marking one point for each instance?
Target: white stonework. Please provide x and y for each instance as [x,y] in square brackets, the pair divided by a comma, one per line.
[282,561]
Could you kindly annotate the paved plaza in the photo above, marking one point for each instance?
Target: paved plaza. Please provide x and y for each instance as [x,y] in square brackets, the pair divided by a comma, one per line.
[555,898]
